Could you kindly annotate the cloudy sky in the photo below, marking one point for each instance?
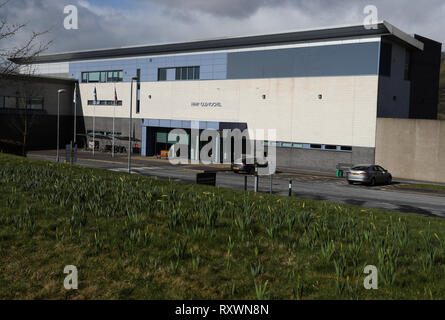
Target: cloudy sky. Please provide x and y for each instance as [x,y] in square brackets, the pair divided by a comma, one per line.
[117,23]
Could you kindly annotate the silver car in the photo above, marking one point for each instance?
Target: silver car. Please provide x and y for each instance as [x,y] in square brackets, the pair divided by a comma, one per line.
[368,174]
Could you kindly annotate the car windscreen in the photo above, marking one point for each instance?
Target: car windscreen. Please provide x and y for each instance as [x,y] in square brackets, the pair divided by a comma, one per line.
[363,168]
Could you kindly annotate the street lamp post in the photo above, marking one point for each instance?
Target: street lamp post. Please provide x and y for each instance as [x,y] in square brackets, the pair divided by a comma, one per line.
[75,114]
[58,120]
[130,124]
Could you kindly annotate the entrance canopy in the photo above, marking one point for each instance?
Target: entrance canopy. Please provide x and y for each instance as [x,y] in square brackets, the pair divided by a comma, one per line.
[193,124]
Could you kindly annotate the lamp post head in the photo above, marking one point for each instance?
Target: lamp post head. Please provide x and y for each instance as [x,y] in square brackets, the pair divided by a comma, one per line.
[61,91]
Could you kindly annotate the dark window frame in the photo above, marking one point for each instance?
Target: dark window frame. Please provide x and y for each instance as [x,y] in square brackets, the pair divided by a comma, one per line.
[108,103]
[104,76]
[186,73]
[25,103]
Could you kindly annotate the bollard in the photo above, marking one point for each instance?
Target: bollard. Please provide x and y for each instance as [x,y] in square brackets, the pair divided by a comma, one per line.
[245,183]
[256,183]
[290,188]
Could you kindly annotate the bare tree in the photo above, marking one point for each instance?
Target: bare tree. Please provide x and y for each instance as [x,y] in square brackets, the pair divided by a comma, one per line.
[18,58]
[17,70]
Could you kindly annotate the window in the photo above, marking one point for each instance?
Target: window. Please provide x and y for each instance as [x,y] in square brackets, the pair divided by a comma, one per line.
[36,103]
[103,76]
[385,59]
[299,145]
[10,102]
[162,74]
[104,102]
[93,77]
[180,73]
[362,168]
[21,103]
[190,73]
[287,145]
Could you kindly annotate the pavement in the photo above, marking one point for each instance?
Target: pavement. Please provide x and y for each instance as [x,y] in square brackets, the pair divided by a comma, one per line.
[305,183]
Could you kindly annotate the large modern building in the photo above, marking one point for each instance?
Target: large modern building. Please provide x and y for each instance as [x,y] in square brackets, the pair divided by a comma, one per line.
[322,90]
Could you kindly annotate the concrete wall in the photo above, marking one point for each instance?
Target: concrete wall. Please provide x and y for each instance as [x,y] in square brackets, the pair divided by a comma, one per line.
[412,148]
[321,159]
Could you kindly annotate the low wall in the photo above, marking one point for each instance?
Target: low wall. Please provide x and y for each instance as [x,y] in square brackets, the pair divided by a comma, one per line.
[412,148]
[322,160]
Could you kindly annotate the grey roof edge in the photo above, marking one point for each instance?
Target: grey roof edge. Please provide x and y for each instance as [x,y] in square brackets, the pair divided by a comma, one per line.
[381,29]
[32,77]
[403,36]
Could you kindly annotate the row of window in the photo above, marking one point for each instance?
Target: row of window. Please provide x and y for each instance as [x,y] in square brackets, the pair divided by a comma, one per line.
[311,146]
[180,73]
[104,103]
[103,76]
[104,133]
[164,74]
[7,102]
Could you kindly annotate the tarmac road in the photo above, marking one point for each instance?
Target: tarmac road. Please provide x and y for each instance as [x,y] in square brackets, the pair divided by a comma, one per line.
[304,185]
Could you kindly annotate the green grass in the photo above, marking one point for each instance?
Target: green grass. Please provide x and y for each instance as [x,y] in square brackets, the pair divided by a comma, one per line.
[423,187]
[141,238]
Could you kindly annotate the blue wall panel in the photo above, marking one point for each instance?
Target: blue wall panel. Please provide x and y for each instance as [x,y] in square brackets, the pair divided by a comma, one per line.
[321,61]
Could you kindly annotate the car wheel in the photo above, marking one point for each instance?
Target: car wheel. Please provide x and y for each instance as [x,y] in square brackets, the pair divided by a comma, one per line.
[372,182]
[350,182]
[389,180]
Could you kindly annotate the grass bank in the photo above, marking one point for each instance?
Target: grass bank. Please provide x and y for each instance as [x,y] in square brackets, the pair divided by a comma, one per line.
[142,238]
[421,187]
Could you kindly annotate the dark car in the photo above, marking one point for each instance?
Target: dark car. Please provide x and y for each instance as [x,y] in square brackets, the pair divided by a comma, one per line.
[368,174]
[247,165]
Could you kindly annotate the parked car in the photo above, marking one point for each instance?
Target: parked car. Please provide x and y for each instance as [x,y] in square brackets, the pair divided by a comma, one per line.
[368,174]
[247,165]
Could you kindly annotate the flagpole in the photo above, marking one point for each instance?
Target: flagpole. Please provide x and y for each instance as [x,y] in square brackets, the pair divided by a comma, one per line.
[94,119]
[75,111]
[114,115]
[94,127]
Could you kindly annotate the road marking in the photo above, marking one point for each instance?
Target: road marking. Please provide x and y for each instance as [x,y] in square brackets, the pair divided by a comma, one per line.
[146,168]
[135,169]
